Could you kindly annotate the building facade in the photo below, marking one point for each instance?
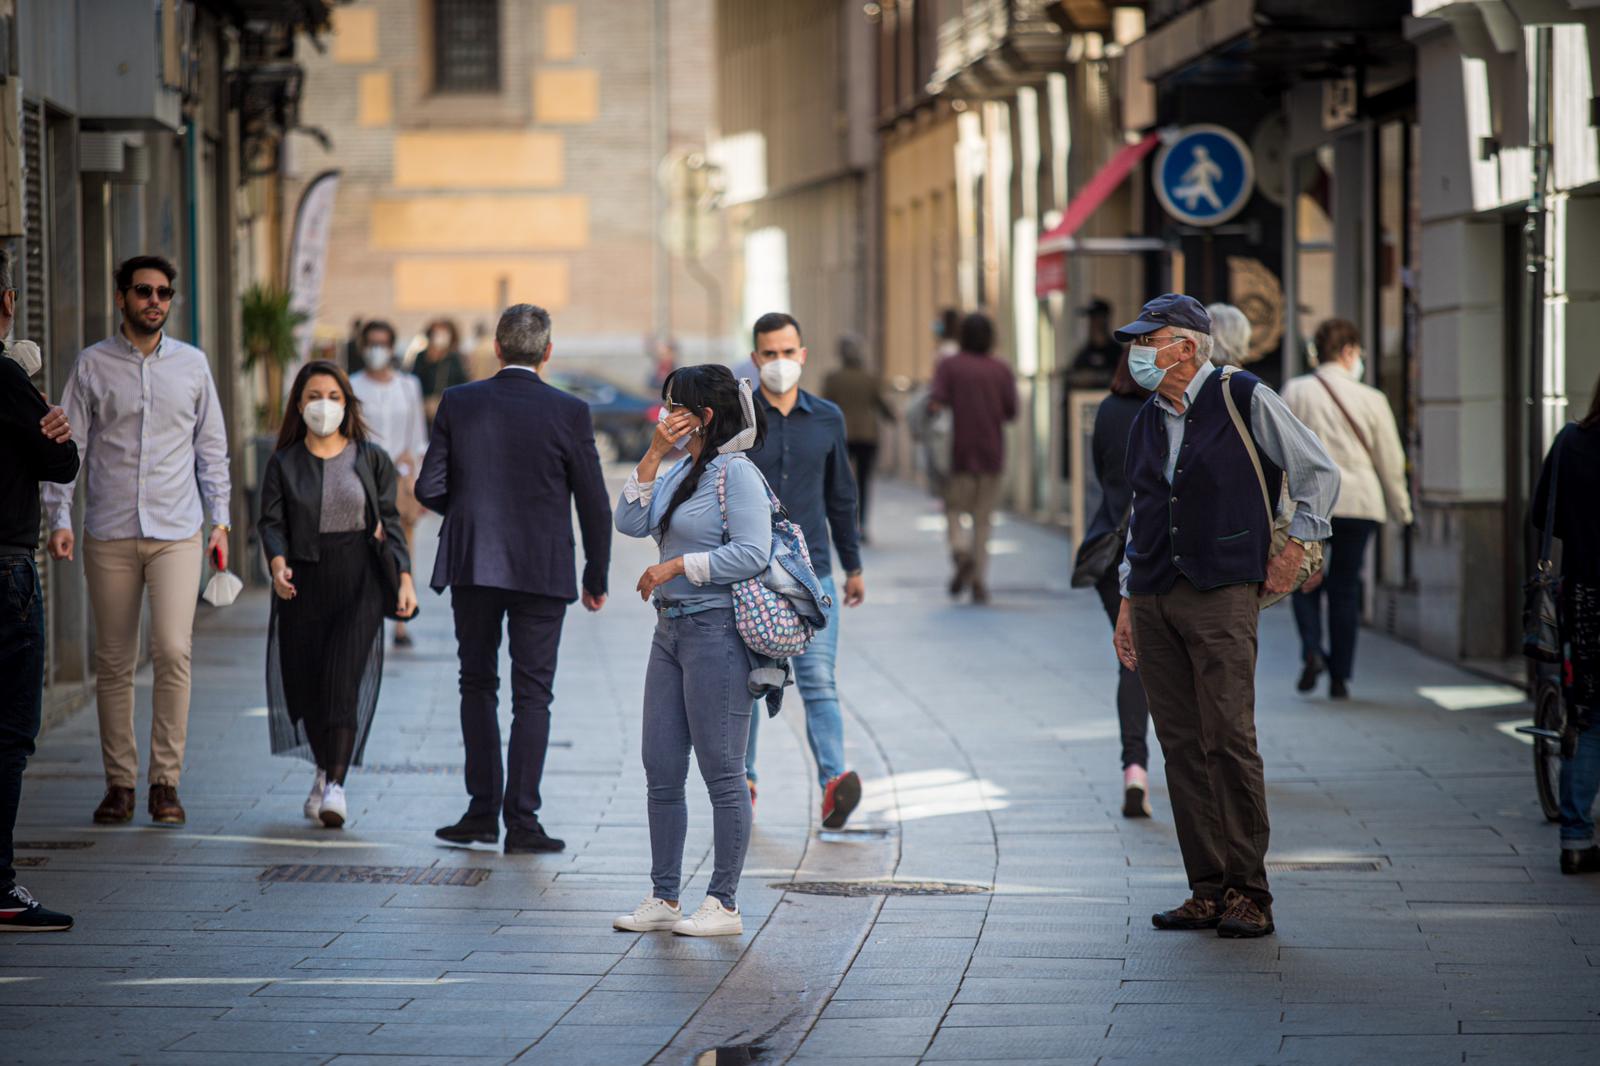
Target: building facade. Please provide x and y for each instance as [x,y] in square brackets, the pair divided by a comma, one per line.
[501,151]
[140,128]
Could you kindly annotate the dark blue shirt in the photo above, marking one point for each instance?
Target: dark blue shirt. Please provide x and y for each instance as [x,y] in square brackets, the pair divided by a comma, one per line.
[807,463]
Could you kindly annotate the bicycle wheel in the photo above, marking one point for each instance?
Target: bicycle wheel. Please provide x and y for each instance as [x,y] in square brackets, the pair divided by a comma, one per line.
[1550,720]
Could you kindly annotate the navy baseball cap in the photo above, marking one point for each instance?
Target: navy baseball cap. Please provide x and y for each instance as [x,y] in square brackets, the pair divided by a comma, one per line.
[1169,309]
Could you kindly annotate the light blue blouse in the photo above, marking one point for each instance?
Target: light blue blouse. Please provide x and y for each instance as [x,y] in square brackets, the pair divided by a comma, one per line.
[696,530]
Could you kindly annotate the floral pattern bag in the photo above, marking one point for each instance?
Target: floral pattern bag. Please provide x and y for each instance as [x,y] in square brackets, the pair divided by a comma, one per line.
[766,621]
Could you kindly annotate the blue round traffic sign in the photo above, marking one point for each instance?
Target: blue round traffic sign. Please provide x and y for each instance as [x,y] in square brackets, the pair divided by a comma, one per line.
[1204,176]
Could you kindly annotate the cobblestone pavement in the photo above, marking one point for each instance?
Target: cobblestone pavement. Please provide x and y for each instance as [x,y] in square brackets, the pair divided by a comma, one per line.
[1421,915]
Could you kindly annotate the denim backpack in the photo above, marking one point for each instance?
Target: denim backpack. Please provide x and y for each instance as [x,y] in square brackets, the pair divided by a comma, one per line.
[768,621]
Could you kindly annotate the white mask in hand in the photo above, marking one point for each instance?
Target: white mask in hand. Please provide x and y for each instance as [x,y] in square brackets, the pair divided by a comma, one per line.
[26,355]
[781,375]
[324,417]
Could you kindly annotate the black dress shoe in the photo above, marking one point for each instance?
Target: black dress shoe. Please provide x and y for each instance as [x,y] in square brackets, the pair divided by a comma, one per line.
[471,830]
[1338,690]
[1586,861]
[1313,670]
[531,841]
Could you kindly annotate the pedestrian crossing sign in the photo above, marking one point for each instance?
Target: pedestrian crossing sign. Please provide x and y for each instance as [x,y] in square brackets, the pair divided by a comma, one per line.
[1204,175]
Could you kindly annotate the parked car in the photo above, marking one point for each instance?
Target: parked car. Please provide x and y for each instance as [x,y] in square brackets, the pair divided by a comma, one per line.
[623,420]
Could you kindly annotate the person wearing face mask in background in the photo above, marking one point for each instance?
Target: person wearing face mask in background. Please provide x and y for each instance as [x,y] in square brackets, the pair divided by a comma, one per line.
[326,491]
[980,393]
[1356,424]
[806,460]
[154,453]
[392,406]
[440,365]
[1197,559]
[35,445]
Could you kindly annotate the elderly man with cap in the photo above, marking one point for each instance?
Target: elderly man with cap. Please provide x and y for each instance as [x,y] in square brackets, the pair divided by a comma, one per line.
[1195,567]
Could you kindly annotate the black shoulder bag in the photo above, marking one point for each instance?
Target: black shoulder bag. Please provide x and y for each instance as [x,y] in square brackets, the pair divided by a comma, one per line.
[1541,596]
[384,560]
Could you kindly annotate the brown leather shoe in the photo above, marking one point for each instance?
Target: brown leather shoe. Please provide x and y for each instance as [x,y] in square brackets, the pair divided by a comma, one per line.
[1244,917]
[164,806]
[116,808]
[1194,914]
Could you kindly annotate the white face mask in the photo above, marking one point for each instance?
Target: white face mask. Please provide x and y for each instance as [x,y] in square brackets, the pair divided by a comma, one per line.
[377,356]
[440,338]
[323,417]
[1360,369]
[781,375]
[26,355]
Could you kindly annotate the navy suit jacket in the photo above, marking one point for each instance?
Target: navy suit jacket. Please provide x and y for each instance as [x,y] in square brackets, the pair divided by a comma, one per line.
[507,459]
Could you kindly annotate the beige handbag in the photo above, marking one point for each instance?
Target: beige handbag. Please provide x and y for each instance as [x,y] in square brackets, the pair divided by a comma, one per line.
[1280,518]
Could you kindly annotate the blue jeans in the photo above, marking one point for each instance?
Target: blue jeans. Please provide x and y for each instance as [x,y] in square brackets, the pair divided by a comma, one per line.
[813,676]
[1347,552]
[22,691]
[1580,782]
[696,696]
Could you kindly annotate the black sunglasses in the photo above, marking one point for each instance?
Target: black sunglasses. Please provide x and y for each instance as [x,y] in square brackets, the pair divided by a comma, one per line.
[164,293]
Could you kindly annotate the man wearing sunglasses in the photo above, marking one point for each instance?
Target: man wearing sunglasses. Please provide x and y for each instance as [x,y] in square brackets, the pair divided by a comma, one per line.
[145,412]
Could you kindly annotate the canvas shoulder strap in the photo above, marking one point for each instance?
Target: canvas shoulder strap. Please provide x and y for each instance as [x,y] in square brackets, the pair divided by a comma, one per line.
[1249,441]
[1361,438]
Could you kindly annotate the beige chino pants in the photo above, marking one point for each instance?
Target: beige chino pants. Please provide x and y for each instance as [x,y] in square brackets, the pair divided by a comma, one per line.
[975,495]
[119,572]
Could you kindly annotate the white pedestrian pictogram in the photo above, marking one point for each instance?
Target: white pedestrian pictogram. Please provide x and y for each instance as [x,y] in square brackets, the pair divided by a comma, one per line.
[1199,181]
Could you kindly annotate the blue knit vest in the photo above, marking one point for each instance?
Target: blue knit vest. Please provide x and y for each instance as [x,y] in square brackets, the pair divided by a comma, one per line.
[1209,524]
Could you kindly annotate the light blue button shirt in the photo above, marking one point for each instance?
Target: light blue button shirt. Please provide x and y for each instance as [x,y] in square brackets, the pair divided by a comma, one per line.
[1312,475]
[151,442]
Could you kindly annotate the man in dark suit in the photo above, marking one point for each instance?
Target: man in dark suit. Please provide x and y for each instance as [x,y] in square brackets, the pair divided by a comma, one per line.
[507,458]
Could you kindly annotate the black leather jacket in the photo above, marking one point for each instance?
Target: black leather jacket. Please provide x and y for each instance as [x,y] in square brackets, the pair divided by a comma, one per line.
[291,502]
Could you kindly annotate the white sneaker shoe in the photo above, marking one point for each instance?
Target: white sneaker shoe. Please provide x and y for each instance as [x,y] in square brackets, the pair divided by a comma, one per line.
[333,810]
[712,919]
[650,916]
[314,801]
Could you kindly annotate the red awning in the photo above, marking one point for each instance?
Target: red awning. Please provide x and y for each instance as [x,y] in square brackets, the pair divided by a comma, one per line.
[1051,274]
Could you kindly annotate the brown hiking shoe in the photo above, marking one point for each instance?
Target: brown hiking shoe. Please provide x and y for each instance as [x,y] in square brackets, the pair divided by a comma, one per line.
[164,806]
[116,808]
[1194,914]
[1244,917]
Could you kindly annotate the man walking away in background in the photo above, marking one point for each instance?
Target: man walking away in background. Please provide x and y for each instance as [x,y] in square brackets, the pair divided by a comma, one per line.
[152,442]
[981,394]
[391,403]
[807,462]
[508,457]
[35,445]
[859,394]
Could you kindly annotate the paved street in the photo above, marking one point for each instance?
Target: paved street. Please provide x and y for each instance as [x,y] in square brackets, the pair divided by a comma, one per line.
[1421,915]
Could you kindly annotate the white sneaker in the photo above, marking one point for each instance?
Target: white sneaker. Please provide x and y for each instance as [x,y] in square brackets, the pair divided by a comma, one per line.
[648,917]
[314,801]
[333,810]
[712,919]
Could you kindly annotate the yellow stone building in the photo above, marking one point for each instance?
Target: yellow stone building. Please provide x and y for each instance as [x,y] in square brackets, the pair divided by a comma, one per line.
[500,151]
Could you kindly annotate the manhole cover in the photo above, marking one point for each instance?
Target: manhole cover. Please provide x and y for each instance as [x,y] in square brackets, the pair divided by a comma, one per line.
[54,845]
[1328,866]
[29,860]
[881,888]
[410,768]
[307,873]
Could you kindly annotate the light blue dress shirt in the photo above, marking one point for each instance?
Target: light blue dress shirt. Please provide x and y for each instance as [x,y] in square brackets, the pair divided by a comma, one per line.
[151,440]
[1312,475]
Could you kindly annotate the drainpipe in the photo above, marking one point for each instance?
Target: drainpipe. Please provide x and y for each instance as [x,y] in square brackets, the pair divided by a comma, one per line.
[1534,243]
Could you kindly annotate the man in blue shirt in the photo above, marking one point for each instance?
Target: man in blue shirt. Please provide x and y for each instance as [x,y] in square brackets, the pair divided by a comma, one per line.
[807,462]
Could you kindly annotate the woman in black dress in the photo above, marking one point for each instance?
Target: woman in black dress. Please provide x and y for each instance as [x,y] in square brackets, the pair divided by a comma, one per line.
[1572,472]
[328,523]
[1112,422]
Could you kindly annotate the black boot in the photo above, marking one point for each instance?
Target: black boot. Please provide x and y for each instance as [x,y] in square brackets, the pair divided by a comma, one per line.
[531,841]
[472,829]
[1586,861]
[1313,670]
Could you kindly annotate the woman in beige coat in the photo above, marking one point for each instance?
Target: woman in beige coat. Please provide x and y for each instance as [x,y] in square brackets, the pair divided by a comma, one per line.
[1355,424]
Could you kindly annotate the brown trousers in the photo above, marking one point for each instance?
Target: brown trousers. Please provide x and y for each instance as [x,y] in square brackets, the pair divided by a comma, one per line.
[119,572]
[1197,659]
[975,495]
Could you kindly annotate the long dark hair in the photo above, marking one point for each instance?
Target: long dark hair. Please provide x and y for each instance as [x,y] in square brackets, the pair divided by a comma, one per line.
[1592,419]
[697,388]
[294,427]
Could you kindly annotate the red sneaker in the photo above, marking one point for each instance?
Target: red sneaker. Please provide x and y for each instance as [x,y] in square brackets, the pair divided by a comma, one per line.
[841,797]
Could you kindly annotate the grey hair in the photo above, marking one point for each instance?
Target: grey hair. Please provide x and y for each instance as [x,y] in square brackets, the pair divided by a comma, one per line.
[1231,330]
[1202,342]
[523,334]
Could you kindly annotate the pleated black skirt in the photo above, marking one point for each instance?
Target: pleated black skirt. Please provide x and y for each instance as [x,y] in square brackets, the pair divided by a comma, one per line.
[325,648]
